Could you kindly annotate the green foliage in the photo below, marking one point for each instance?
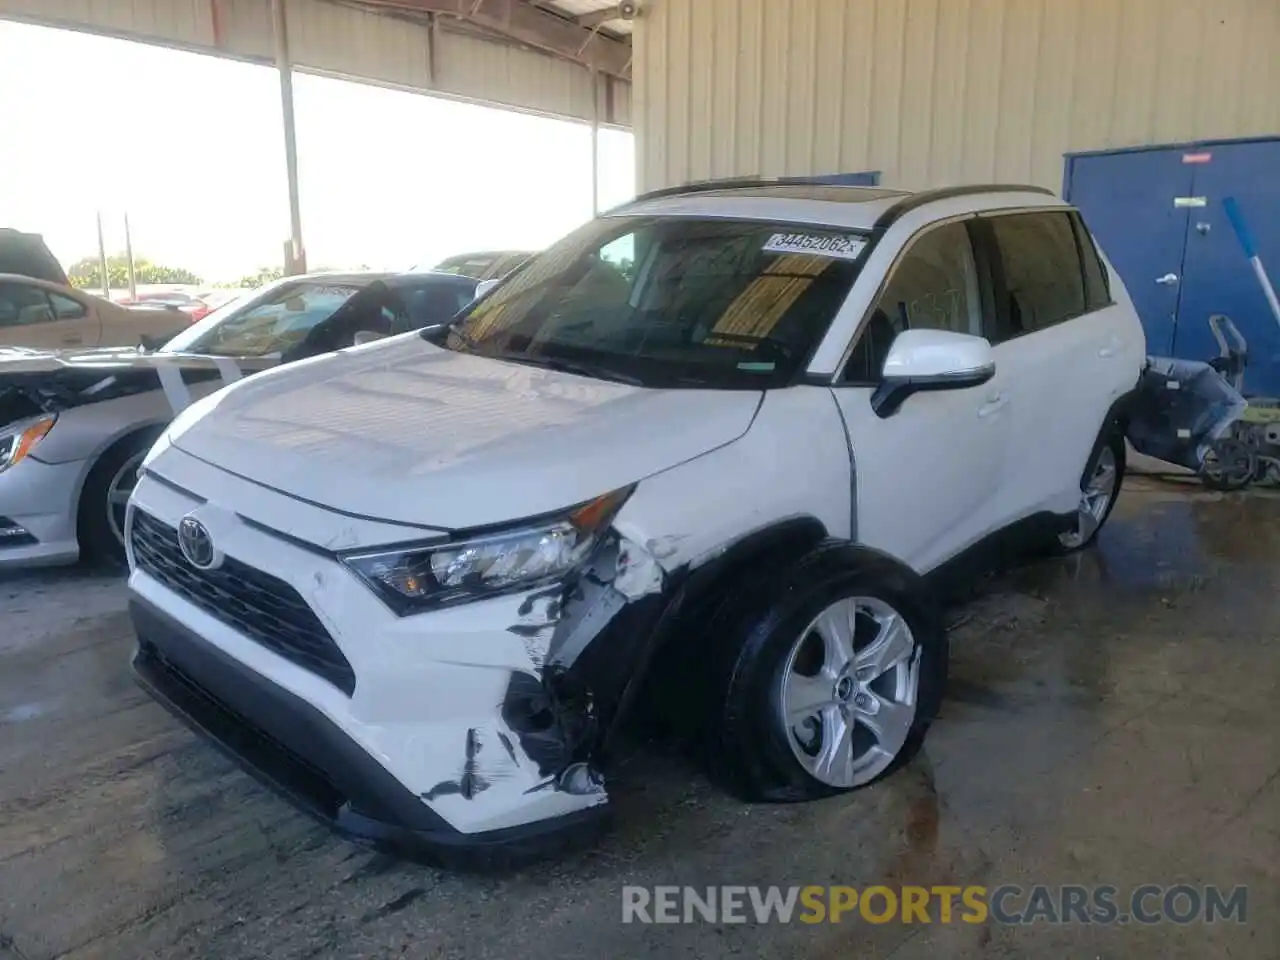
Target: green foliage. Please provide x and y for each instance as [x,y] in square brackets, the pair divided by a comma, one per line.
[87,273]
[261,277]
[265,275]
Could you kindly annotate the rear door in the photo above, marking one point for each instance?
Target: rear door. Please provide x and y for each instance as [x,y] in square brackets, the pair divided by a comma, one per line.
[1059,348]
[927,476]
[31,316]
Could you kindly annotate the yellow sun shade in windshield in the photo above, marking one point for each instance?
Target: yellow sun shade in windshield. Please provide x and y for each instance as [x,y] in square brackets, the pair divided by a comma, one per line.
[766,300]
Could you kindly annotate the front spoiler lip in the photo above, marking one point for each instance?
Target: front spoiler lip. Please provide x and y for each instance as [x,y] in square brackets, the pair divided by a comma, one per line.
[291,747]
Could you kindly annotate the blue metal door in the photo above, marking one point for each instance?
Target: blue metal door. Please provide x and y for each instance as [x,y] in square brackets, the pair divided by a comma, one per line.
[1127,201]
[1159,215]
[1217,276]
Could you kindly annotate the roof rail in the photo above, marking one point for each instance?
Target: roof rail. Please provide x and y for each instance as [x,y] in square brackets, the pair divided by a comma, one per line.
[914,201]
[909,202]
[740,183]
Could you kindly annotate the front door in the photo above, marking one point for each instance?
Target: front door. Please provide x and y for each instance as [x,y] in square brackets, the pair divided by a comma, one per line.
[927,476]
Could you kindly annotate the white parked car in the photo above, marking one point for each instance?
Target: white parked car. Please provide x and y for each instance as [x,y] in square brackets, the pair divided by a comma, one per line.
[419,583]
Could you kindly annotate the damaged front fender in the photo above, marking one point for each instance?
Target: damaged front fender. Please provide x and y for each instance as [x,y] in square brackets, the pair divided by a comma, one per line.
[585,640]
[596,638]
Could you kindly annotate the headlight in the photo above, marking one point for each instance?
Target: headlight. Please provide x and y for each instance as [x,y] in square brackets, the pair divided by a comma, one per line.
[18,439]
[411,579]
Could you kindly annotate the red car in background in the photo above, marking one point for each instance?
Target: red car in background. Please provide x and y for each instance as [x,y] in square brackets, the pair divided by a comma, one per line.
[195,305]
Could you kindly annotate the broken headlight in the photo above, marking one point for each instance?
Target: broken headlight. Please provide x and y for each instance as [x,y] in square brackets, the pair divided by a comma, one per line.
[18,439]
[415,578]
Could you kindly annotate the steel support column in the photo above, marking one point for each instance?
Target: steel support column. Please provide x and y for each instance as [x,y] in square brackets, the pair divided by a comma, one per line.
[595,142]
[296,257]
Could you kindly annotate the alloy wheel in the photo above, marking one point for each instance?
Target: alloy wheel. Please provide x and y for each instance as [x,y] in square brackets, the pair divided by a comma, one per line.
[118,492]
[1096,495]
[849,691]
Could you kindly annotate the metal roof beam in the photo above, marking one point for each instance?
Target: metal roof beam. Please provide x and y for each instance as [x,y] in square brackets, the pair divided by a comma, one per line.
[597,17]
[534,27]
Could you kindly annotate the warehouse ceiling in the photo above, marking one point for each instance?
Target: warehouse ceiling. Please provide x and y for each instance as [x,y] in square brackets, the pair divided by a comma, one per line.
[593,33]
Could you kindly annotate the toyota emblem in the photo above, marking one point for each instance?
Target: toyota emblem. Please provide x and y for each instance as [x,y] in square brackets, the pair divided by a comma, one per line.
[196,544]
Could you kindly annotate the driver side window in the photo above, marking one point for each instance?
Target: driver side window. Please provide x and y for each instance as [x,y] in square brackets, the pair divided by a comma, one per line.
[932,286]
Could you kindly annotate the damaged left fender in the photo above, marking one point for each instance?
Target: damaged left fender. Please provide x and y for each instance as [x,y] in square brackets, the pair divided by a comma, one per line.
[681,538]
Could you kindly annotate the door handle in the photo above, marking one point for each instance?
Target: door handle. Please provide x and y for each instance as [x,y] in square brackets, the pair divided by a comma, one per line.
[1168,280]
[1108,351]
[995,401]
[73,338]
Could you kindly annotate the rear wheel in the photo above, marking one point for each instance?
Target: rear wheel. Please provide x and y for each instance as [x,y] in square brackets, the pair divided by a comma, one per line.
[105,499]
[1099,488]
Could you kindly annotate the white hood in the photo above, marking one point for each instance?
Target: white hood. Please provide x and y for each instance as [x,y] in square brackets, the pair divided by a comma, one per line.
[406,432]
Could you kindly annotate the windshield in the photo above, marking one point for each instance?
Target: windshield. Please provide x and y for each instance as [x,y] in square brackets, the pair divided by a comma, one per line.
[669,302]
[278,318]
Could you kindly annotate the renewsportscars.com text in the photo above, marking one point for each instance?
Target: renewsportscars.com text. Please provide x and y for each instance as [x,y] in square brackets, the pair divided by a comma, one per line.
[1008,904]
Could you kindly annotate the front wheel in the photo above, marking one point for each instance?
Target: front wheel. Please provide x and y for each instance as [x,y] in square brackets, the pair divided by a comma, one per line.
[831,672]
[105,499]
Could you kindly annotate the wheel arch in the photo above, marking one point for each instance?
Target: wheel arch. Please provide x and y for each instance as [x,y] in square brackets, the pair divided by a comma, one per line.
[114,441]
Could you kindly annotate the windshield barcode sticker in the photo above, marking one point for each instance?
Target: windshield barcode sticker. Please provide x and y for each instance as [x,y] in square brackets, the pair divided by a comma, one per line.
[843,248]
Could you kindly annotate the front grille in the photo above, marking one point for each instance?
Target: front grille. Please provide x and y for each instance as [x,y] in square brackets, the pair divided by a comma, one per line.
[262,607]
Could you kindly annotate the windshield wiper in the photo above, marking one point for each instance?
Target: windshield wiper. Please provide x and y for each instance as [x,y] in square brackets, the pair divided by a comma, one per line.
[568,366]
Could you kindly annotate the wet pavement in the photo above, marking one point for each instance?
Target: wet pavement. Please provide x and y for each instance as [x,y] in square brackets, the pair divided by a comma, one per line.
[1114,718]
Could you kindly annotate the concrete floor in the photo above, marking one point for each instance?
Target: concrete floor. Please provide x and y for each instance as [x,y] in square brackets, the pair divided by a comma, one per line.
[1113,718]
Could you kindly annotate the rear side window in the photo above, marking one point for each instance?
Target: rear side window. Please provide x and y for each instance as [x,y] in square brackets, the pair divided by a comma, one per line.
[1039,261]
[23,306]
[433,304]
[65,308]
[1097,290]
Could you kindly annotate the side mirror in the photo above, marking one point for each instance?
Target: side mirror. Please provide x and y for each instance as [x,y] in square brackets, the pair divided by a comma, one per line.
[365,336]
[484,286]
[921,360]
[147,343]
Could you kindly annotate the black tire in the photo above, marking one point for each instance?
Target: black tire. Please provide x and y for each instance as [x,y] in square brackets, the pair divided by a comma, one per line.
[1112,441]
[752,635]
[99,545]
[1231,464]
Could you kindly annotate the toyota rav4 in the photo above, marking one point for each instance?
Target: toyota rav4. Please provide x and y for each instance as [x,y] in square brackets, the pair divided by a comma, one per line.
[747,427]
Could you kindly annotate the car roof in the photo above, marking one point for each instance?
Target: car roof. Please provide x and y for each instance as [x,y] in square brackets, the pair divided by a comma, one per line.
[342,276]
[34,281]
[478,254]
[824,204]
[415,276]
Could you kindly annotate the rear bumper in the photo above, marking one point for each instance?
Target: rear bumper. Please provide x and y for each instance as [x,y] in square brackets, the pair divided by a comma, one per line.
[292,747]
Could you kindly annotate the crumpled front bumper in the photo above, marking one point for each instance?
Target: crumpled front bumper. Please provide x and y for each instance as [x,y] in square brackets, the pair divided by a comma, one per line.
[291,746]
[467,730]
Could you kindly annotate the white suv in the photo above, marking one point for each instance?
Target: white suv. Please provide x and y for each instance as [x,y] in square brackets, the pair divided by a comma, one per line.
[418,583]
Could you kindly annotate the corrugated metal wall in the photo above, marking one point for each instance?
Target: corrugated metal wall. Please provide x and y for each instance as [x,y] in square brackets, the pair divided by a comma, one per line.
[934,92]
[347,42]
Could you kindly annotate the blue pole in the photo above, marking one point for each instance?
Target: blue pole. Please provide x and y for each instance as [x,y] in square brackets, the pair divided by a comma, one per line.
[1250,245]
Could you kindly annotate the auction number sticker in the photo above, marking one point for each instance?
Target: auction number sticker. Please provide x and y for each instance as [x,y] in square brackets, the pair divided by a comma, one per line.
[841,248]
